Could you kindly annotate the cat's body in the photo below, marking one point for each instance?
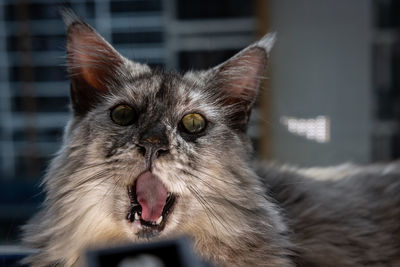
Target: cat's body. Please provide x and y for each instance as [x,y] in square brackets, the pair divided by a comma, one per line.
[340,216]
[150,155]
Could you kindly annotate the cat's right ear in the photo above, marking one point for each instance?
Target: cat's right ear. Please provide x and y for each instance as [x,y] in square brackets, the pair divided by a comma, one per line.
[236,81]
[93,64]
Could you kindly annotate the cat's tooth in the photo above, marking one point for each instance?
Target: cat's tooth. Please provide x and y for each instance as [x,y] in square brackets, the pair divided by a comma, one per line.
[137,217]
[159,220]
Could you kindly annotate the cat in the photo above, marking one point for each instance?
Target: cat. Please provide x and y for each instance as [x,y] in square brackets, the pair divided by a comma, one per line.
[151,155]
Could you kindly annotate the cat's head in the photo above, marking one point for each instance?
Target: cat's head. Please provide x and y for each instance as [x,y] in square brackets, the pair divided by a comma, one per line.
[157,152]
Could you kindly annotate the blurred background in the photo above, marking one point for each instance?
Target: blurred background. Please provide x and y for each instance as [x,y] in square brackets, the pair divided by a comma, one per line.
[333,95]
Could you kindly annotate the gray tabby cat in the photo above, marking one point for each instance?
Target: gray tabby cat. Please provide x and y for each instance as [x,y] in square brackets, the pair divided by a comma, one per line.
[149,155]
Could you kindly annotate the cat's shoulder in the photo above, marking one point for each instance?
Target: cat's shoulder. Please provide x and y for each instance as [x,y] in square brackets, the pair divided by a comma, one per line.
[329,173]
[371,179]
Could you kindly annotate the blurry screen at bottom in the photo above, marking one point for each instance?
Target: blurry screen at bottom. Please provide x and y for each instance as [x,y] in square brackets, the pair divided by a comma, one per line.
[176,253]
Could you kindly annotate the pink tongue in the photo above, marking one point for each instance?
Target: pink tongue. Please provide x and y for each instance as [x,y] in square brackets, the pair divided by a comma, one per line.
[151,195]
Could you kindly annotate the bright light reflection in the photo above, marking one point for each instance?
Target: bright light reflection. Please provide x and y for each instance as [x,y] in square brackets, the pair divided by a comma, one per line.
[317,129]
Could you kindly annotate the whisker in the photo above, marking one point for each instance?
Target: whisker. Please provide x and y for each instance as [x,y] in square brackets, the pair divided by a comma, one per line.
[215,177]
[85,168]
[99,174]
[201,202]
[208,206]
[223,198]
[204,205]
[111,189]
[95,176]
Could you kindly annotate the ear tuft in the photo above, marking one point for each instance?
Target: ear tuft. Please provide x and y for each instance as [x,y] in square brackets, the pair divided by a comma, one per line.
[93,64]
[238,79]
[267,42]
[90,56]
[69,16]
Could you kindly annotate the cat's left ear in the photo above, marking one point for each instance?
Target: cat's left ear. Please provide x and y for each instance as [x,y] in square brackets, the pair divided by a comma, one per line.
[93,64]
[238,79]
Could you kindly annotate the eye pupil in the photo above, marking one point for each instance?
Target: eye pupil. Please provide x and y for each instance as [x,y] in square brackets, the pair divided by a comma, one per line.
[193,123]
[123,115]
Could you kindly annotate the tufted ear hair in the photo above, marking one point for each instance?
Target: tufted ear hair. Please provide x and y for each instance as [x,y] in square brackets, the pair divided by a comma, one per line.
[238,79]
[93,64]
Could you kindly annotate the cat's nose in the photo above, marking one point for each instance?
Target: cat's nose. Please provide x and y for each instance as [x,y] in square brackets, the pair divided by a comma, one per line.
[153,142]
[152,149]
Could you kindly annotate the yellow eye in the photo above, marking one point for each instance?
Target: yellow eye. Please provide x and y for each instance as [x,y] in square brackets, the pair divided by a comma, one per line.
[193,123]
[123,115]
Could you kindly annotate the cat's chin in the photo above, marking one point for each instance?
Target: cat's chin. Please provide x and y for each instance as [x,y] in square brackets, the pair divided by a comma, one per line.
[143,217]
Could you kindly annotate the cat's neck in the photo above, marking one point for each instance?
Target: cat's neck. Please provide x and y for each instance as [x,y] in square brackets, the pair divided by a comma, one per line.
[253,236]
[254,247]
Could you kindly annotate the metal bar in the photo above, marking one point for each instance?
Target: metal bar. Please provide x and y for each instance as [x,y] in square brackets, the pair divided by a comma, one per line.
[7,148]
[57,58]
[43,120]
[134,21]
[44,89]
[211,43]
[171,56]
[209,26]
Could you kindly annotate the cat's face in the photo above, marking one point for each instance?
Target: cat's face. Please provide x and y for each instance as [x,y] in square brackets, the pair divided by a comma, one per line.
[162,152]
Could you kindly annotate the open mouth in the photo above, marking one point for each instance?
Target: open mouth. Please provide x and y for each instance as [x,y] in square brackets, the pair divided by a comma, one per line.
[151,203]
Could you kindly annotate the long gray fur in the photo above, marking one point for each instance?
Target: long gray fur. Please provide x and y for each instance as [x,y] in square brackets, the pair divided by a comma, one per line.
[236,212]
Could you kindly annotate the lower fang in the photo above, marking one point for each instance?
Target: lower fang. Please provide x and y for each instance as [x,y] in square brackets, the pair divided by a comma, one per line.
[137,217]
[159,220]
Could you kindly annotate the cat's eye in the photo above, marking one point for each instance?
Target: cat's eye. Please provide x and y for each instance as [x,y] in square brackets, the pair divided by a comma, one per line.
[193,123]
[123,115]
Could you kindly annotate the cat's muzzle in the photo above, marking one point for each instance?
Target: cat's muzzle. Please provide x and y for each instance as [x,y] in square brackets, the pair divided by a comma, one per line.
[150,204]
